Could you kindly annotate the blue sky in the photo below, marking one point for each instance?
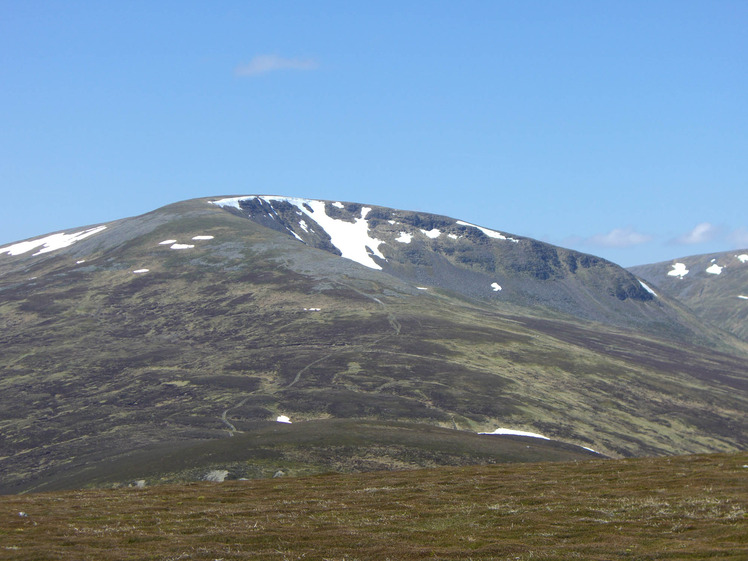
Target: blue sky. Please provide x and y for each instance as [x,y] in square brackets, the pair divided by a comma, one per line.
[615,128]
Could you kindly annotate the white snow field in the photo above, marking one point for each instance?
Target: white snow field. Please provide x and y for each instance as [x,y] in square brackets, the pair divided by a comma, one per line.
[433,233]
[490,233]
[50,243]
[679,270]
[350,238]
[516,433]
[648,289]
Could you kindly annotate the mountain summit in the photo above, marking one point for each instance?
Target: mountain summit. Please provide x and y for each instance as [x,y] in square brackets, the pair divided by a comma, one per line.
[246,335]
[439,252]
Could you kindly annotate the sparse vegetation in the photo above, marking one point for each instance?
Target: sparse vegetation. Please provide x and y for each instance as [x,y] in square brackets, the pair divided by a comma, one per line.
[687,507]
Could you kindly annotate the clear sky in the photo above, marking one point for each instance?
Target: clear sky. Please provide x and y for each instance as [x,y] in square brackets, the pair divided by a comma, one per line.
[616,128]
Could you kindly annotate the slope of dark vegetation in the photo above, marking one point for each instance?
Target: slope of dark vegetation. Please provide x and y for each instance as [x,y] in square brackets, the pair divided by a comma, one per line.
[265,449]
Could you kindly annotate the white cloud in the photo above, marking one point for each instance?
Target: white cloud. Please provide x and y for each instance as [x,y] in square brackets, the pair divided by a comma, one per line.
[619,237]
[262,64]
[701,233]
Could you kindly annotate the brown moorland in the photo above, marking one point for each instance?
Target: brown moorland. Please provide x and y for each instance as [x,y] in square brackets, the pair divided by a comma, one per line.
[679,507]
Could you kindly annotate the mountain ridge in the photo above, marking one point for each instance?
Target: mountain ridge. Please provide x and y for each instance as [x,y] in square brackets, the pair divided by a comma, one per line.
[534,275]
[713,285]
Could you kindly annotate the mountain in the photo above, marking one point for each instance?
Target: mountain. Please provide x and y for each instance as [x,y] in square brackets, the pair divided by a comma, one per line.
[439,252]
[166,346]
[713,285]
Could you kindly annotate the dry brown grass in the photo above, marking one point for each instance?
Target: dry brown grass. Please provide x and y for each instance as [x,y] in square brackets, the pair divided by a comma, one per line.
[687,507]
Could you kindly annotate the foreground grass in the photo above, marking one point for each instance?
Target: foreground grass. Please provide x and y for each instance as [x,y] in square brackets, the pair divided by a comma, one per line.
[687,507]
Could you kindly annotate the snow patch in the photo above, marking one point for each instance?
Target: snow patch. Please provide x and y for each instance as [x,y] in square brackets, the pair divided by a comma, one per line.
[490,233]
[453,236]
[714,269]
[283,419]
[422,288]
[516,433]
[350,238]
[139,271]
[433,233]
[742,297]
[50,243]
[312,309]
[167,242]
[743,258]
[495,286]
[80,262]
[232,202]
[404,237]
[679,270]
[202,238]
[303,225]
[338,204]
[181,246]
[652,292]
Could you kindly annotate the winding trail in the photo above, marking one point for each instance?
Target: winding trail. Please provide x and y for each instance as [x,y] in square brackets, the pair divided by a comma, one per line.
[224,417]
[395,325]
[307,367]
[391,319]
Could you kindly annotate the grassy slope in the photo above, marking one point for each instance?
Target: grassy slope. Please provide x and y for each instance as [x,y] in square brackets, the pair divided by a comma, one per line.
[312,447]
[689,507]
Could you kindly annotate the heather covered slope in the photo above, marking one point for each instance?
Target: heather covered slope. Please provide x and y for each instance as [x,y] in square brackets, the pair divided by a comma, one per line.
[713,285]
[193,323]
[266,449]
[687,507]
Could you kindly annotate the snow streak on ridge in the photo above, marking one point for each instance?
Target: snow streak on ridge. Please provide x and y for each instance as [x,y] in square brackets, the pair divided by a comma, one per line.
[490,233]
[350,238]
[50,243]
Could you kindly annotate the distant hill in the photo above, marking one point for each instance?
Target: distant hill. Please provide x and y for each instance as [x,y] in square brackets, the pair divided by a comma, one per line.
[168,345]
[713,285]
